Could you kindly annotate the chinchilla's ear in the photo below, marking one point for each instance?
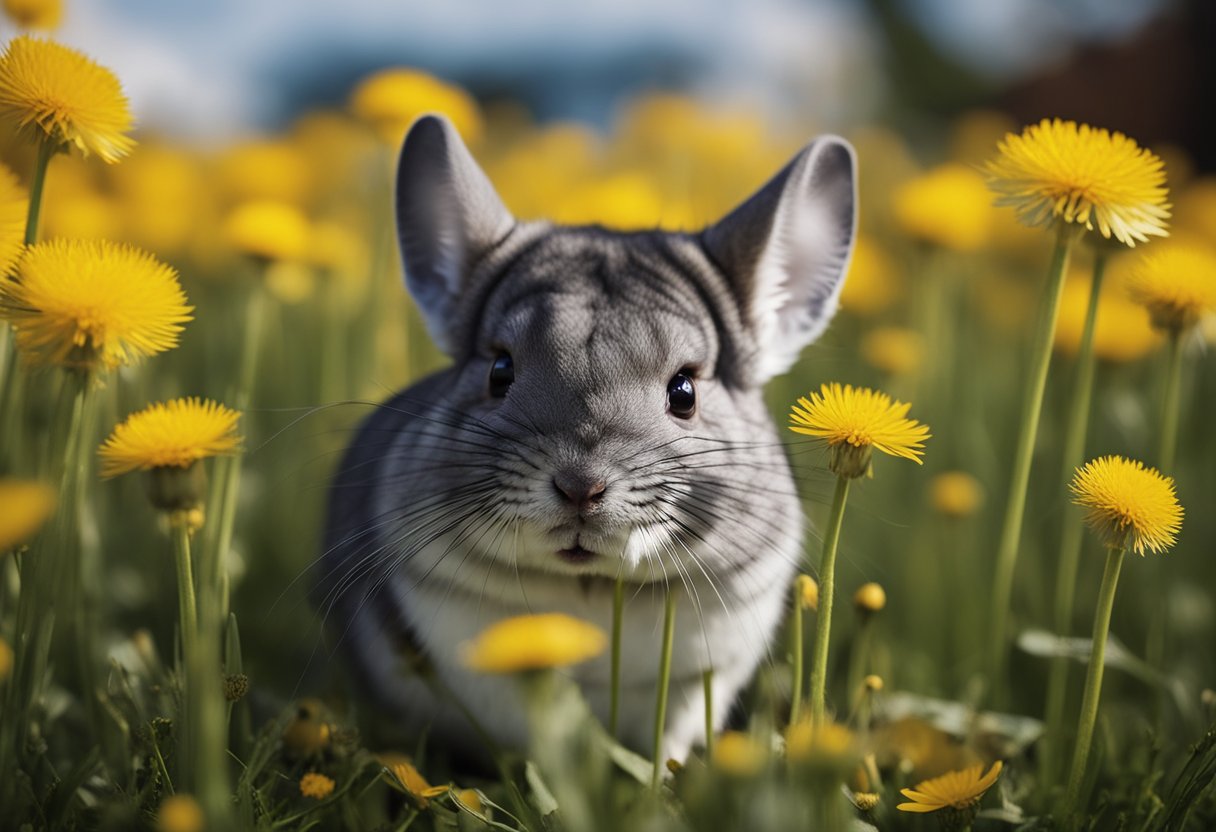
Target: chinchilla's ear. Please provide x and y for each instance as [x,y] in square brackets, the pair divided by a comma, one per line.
[786,249]
[448,215]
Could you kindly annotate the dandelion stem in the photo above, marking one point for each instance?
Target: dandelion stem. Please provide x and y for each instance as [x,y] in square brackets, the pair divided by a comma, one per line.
[187,608]
[827,570]
[1073,527]
[46,149]
[1171,402]
[707,684]
[1093,681]
[796,650]
[618,608]
[660,711]
[1032,405]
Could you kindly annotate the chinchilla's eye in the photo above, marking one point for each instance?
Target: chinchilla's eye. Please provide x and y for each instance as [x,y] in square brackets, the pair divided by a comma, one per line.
[681,395]
[502,373]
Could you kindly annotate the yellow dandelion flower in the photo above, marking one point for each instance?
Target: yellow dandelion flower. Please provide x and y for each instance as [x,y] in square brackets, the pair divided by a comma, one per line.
[1059,171]
[266,169]
[865,801]
[268,229]
[69,99]
[180,813]
[955,790]
[24,507]
[90,303]
[309,731]
[316,786]
[470,799]
[1127,504]
[955,493]
[392,99]
[14,202]
[174,434]
[1176,283]
[405,776]
[893,349]
[532,642]
[855,419]
[948,206]
[830,741]
[808,592]
[872,283]
[34,14]
[739,754]
[870,597]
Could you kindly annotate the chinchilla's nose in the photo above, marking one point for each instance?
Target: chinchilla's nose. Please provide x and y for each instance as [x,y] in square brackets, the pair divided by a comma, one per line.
[579,488]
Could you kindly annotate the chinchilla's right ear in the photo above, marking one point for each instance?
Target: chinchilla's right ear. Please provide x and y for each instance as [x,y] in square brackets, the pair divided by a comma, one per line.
[448,216]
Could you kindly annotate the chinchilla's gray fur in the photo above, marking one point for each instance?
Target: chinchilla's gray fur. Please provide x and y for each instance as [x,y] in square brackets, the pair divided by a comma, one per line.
[447,514]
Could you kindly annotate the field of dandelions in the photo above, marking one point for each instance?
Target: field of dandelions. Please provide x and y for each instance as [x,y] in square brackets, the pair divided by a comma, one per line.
[1022,633]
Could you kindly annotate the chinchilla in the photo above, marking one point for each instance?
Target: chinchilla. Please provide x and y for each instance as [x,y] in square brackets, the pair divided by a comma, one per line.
[602,416]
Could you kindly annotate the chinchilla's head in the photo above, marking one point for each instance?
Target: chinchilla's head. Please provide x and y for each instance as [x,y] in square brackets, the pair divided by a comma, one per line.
[604,410]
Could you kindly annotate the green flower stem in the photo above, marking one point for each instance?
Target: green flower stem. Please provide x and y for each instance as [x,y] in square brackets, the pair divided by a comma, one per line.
[660,711]
[707,685]
[187,604]
[796,651]
[1032,405]
[827,581]
[618,609]
[225,488]
[1171,403]
[1093,681]
[1072,528]
[46,150]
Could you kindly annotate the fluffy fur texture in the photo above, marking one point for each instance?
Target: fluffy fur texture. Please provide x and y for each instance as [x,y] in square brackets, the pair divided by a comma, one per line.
[445,515]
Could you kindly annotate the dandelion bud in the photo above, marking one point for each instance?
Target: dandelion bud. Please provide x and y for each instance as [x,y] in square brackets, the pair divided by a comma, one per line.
[471,800]
[1208,698]
[955,494]
[865,801]
[236,685]
[316,786]
[869,598]
[808,592]
[674,765]
[850,461]
[873,683]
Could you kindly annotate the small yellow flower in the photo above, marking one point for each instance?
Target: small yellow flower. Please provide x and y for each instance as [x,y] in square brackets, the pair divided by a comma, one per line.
[1059,171]
[34,14]
[955,790]
[180,813]
[392,99]
[870,598]
[14,203]
[174,434]
[65,97]
[873,283]
[865,801]
[406,777]
[855,419]
[469,799]
[893,349]
[268,229]
[24,507]
[873,683]
[739,754]
[532,642]
[316,786]
[1176,283]
[948,206]
[309,731]
[832,742]
[955,493]
[1127,504]
[808,592]
[90,304]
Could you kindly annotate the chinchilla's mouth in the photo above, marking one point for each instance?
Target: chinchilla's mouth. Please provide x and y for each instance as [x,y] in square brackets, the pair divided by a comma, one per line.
[576,554]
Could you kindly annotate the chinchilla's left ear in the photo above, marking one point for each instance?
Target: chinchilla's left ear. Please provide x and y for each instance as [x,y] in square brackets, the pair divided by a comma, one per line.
[786,249]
